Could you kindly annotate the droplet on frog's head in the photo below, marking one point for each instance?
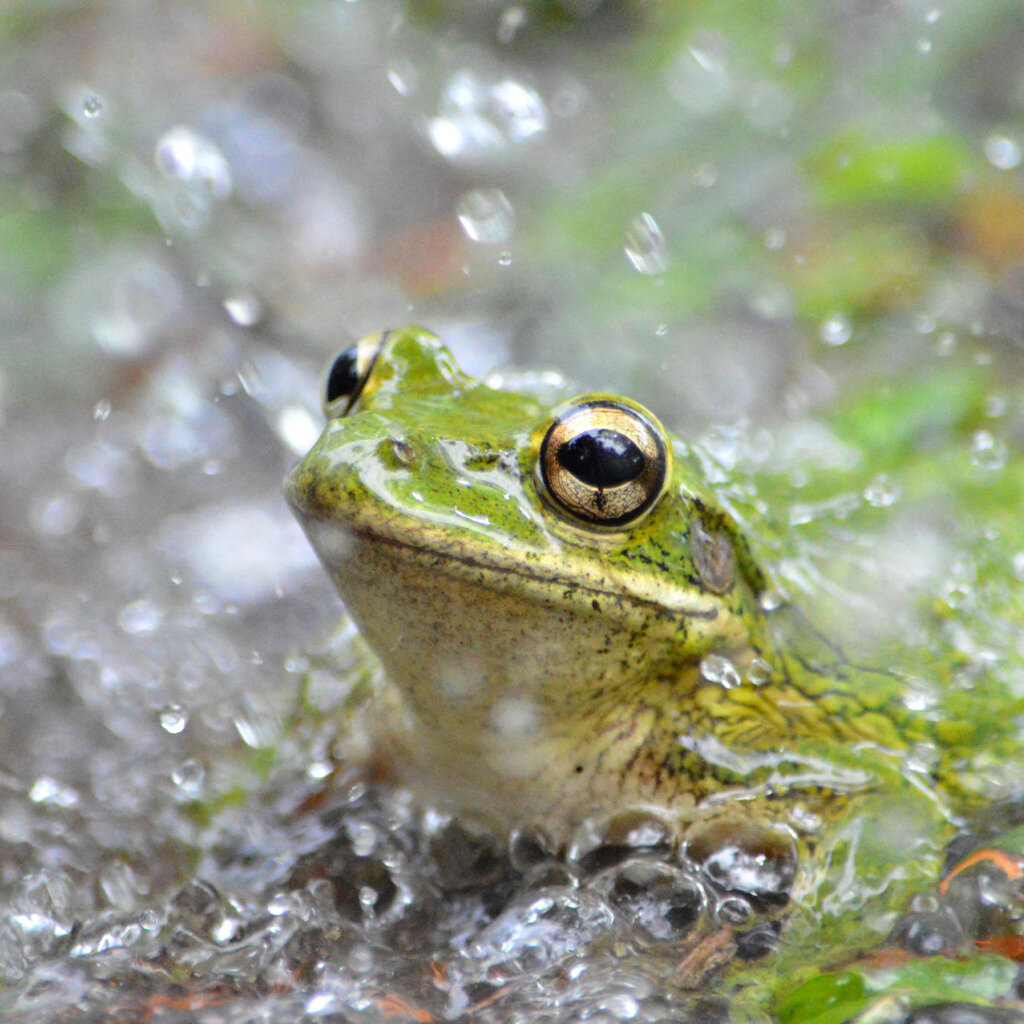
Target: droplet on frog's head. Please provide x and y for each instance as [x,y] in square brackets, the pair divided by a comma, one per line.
[92,106]
[717,668]
[714,558]
[660,900]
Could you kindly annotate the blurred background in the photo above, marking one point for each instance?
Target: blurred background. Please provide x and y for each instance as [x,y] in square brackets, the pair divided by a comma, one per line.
[734,212]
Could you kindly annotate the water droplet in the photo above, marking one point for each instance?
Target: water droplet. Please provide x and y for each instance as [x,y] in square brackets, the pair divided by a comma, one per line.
[173,718]
[705,176]
[882,492]
[1018,565]
[245,309]
[102,409]
[183,155]
[699,79]
[505,258]
[932,16]
[190,777]
[486,215]
[58,516]
[1002,152]
[717,668]
[477,118]
[836,330]
[140,618]
[945,343]
[297,427]
[769,601]
[512,20]
[996,406]
[774,239]
[924,46]
[46,790]
[645,247]
[987,451]
[92,106]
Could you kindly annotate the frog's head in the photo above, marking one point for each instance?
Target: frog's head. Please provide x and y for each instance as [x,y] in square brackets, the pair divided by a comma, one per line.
[538,579]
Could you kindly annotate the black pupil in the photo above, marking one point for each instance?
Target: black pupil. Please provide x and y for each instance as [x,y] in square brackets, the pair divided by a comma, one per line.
[601,458]
[343,380]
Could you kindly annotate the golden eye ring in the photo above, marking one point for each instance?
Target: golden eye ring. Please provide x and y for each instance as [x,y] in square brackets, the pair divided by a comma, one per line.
[344,379]
[603,462]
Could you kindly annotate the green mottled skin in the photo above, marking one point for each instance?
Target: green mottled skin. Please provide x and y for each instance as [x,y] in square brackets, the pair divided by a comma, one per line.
[547,670]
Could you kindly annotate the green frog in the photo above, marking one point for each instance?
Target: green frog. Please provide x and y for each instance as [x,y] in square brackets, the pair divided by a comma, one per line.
[575,622]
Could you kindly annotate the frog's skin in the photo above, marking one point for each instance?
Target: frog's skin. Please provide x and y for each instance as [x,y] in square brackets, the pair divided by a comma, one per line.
[550,668]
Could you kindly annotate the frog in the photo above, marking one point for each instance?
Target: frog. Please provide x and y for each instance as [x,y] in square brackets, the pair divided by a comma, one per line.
[573,621]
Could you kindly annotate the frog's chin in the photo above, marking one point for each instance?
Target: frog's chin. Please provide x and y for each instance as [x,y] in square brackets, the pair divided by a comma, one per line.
[682,617]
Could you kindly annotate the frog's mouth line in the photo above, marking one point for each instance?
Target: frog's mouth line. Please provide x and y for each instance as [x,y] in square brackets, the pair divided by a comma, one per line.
[571,588]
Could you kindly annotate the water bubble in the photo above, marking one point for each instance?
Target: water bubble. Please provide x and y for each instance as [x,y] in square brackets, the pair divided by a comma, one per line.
[987,451]
[661,900]
[173,718]
[183,155]
[717,668]
[486,215]
[645,246]
[836,330]
[1002,152]
[600,843]
[92,106]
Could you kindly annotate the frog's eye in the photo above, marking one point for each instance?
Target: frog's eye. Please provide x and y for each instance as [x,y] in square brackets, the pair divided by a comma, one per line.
[603,462]
[345,378]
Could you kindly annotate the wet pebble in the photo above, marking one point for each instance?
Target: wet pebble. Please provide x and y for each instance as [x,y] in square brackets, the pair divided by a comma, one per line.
[659,901]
